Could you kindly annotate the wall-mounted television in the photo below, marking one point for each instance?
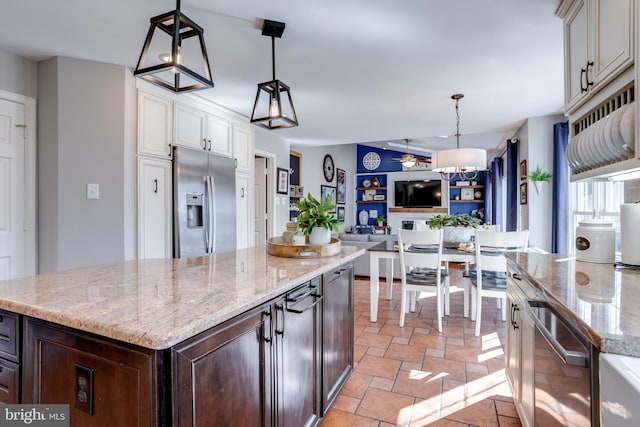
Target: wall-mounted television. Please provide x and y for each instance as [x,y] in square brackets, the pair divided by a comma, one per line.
[426,193]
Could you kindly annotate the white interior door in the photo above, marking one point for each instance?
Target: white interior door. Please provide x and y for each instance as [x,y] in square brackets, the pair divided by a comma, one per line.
[261,206]
[13,222]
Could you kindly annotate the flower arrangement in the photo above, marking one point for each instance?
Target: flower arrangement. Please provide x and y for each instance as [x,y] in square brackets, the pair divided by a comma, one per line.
[314,213]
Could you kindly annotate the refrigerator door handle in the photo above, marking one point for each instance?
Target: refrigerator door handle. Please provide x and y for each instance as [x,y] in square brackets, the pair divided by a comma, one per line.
[211,247]
[206,213]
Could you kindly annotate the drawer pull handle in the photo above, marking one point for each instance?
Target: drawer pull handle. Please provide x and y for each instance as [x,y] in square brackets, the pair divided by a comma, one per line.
[4,389]
[5,338]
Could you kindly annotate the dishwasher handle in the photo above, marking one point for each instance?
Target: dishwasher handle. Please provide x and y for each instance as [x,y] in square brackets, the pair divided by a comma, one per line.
[573,358]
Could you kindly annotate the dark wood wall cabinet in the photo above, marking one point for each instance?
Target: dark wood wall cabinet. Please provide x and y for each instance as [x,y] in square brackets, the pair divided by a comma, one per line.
[279,364]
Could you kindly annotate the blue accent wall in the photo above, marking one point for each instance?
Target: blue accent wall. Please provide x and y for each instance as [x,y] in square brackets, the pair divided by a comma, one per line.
[387,164]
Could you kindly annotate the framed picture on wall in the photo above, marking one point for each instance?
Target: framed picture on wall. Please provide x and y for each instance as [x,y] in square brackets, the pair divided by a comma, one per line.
[328,191]
[523,169]
[342,190]
[283,181]
[466,194]
[523,193]
[340,213]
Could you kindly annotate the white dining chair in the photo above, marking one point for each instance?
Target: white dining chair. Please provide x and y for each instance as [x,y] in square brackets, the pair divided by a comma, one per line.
[489,279]
[421,268]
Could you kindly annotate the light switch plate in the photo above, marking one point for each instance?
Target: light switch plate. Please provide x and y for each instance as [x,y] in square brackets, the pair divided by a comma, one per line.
[93,191]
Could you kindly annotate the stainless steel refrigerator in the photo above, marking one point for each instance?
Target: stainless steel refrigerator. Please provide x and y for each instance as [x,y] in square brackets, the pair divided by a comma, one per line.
[204,203]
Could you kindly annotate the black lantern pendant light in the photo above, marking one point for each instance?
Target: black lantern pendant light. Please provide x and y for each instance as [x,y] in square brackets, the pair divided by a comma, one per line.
[175,56]
[274,110]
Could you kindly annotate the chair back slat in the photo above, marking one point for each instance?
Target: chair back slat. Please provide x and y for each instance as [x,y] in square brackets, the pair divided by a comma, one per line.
[420,248]
[491,245]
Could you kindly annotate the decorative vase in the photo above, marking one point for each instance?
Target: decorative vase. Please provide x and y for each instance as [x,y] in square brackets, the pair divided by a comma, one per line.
[457,234]
[363,217]
[538,186]
[320,236]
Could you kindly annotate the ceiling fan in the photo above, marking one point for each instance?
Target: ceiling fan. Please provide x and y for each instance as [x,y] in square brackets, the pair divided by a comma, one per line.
[408,159]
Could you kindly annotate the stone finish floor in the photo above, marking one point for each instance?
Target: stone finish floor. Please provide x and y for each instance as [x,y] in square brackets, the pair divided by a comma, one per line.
[415,376]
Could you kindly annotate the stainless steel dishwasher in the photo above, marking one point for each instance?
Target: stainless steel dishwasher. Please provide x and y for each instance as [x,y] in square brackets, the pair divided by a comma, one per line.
[566,391]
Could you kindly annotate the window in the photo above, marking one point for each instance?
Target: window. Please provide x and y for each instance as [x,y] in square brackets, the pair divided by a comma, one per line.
[596,200]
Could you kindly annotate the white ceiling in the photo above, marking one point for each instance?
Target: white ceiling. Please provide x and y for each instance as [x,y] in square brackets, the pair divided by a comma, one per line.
[360,71]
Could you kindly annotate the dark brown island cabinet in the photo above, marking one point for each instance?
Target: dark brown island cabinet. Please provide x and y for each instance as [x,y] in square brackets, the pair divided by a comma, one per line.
[281,363]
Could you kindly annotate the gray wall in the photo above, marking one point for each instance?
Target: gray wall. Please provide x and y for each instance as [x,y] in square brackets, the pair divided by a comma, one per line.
[267,141]
[87,135]
[536,146]
[19,75]
[344,157]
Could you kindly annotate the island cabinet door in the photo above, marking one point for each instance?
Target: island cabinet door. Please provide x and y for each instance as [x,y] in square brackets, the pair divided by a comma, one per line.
[297,327]
[105,383]
[222,376]
[337,335]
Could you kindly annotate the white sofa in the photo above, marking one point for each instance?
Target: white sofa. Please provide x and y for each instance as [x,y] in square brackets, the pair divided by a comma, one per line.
[361,264]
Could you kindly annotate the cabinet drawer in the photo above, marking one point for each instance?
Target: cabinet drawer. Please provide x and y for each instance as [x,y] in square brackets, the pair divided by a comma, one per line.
[9,325]
[9,380]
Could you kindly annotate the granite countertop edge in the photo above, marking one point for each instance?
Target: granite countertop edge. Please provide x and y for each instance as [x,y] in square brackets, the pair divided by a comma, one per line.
[78,317]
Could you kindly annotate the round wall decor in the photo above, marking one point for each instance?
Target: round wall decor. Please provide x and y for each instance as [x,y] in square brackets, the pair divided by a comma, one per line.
[328,167]
[371,160]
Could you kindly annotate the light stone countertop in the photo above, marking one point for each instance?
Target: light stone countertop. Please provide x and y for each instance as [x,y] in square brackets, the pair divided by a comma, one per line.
[601,301]
[158,303]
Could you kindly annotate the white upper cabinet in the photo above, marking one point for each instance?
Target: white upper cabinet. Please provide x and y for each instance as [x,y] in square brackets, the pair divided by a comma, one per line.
[599,45]
[242,147]
[219,135]
[189,126]
[154,125]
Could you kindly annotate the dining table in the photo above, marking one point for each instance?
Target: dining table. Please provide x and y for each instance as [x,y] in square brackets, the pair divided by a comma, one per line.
[389,252]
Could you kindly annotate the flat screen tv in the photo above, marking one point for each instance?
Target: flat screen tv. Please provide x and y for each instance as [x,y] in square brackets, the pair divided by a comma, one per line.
[418,194]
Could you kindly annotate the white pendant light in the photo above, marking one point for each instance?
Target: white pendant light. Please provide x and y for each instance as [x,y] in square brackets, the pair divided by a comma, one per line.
[465,162]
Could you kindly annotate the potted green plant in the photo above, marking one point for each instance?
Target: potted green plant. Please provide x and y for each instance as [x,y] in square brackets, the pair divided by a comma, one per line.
[474,180]
[381,219]
[315,220]
[538,176]
[456,227]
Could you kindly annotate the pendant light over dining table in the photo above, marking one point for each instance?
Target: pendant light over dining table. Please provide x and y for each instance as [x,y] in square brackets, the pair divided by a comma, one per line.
[273,108]
[174,55]
[465,162]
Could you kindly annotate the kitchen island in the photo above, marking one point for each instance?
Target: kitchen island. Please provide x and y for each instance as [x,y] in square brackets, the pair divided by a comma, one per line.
[240,338]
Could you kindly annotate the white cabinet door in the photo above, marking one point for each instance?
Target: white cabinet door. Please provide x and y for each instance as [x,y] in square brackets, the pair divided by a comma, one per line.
[219,135]
[154,208]
[189,127]
[242,147]
[512,347]
[599,46]
[243,209]
[575,53]
[154,125]
[527,372]
[612,39]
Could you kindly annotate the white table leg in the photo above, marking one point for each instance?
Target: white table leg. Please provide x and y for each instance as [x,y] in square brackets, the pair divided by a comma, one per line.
[389,274]
[446,290]
[374,278]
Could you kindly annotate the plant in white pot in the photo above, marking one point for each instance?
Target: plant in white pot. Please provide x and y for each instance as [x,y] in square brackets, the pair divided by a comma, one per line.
[457,227]
[315,220]
[538,176]
[381,219]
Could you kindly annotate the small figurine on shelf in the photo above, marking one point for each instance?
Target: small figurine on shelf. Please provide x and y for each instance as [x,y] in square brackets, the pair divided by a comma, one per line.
[375,181]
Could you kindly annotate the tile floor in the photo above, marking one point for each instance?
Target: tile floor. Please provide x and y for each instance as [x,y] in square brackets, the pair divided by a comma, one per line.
[414,376]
